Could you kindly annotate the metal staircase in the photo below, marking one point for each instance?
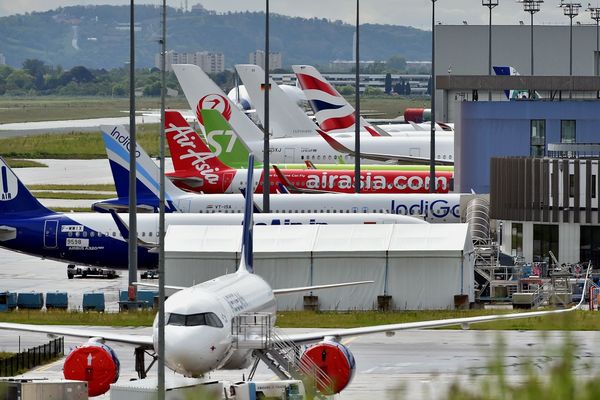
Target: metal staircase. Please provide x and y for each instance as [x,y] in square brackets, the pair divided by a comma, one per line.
[281,355]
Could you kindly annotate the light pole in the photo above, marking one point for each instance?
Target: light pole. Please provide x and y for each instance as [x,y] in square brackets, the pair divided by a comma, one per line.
[571,10]
[595,14]
[490,4]
[266,154]
[161,210]
[357,106]
[531,7]
[432,136]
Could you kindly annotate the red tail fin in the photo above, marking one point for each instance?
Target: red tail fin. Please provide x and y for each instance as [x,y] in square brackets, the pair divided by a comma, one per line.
[188,150]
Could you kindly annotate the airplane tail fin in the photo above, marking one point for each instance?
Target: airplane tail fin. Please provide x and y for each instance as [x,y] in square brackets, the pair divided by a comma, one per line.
[247,260]
[188,150]
[202,93]
[117,143]
[513,94]
[14,196]
[285,117]
[222,140]
[332,111]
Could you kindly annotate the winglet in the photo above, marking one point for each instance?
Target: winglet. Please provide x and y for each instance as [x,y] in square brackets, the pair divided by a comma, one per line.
[309,164]
[246,263]
[337,146]
[284,181]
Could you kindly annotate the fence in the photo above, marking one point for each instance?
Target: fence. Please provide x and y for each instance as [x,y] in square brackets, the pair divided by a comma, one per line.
[32,357]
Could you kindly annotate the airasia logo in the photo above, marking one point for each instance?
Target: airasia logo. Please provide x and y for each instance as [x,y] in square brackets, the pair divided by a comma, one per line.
[185,139]
[374,182]
[213,102]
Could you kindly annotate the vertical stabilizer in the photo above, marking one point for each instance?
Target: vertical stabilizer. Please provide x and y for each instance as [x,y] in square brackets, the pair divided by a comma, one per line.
[117,143]
[247,260]
[286,118]
[202,93]
[333,113]
[188,150]
[15,197]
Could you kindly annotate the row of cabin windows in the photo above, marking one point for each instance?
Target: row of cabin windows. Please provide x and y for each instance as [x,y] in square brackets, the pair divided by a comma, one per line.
[347,157]
[108,234]
[335,211]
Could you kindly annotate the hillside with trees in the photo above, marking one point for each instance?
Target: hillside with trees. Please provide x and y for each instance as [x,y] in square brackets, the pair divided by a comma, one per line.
[97,37]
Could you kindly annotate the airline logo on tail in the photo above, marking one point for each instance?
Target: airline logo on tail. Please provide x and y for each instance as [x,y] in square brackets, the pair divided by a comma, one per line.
[213,102]
[331,110]
[183,148]
[10,187]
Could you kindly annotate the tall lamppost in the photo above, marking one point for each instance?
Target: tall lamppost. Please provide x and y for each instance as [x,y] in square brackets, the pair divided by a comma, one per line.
[531,7]
[595,14]
[266,149]
[357,105]
[490,4]
[432,136]
[571,10]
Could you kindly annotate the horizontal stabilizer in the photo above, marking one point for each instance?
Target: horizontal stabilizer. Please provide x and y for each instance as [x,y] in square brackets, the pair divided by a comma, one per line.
[7,233]
[318,287]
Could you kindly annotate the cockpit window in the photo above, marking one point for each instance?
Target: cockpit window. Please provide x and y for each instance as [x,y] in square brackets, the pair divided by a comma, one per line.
[208,319]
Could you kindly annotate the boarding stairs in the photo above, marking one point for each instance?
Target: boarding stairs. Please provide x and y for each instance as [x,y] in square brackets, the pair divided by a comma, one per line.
[254,331]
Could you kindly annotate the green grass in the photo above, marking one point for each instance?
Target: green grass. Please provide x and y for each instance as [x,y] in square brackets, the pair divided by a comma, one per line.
[16,163]
[578,320]
[53,108]
[72,196]
[68,210]
[76,145]
[4,355]
[108,187]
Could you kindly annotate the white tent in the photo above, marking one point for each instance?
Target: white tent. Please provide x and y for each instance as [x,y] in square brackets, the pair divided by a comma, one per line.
[419,266]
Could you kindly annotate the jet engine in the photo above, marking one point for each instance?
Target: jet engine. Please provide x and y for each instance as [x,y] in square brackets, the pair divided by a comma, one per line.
[95,363]
[335,362]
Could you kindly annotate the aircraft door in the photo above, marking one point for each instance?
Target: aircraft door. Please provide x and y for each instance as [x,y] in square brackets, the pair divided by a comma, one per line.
[288,155]
[50,234]
[227,181]
[414,152]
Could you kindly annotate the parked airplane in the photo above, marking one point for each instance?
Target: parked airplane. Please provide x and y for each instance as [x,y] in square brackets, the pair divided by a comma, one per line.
[199,334]
[442,207]
[202,92]
[198,170]
[335,115]
[513,94]
[98,239]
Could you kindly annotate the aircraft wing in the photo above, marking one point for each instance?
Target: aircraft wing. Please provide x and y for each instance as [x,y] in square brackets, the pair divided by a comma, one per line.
[80,332]
[313,337]
[317,287]
[379,156]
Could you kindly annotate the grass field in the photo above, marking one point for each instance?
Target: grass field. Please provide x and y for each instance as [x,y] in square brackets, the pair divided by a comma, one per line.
[77,145]
[99,187]
[578,320]
[51,108]
[17,163]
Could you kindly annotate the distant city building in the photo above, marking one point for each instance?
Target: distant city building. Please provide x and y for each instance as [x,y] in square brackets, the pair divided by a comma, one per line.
[2,59]
[345,66]
[424,65]
[211,63]
[258,58]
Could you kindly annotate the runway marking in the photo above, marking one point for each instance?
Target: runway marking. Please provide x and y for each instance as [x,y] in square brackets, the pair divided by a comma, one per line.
[47,366]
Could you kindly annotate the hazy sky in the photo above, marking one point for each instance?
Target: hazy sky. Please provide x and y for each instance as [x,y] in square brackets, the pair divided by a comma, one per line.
[415,13]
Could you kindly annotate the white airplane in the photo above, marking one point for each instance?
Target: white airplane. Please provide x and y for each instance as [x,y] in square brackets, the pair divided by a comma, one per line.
[201,92]
[199,337]
[335,115]
[100,239]
[438,207]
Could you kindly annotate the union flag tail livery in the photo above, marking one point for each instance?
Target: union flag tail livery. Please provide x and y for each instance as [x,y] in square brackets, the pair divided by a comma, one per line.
[333,113]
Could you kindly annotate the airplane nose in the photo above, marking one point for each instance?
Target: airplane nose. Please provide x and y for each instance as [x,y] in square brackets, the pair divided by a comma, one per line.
[193,351]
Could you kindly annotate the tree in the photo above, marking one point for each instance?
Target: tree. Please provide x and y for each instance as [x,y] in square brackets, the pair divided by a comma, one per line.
[346,90]
[19,79]
[152,89]
[373,91]
[81,74]
[429,86]
[397,63]
[36,68]
[388,83]
[399,87]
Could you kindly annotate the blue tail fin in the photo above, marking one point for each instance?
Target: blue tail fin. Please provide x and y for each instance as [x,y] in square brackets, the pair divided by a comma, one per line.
[247,261]
[15,197]
[116,141]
